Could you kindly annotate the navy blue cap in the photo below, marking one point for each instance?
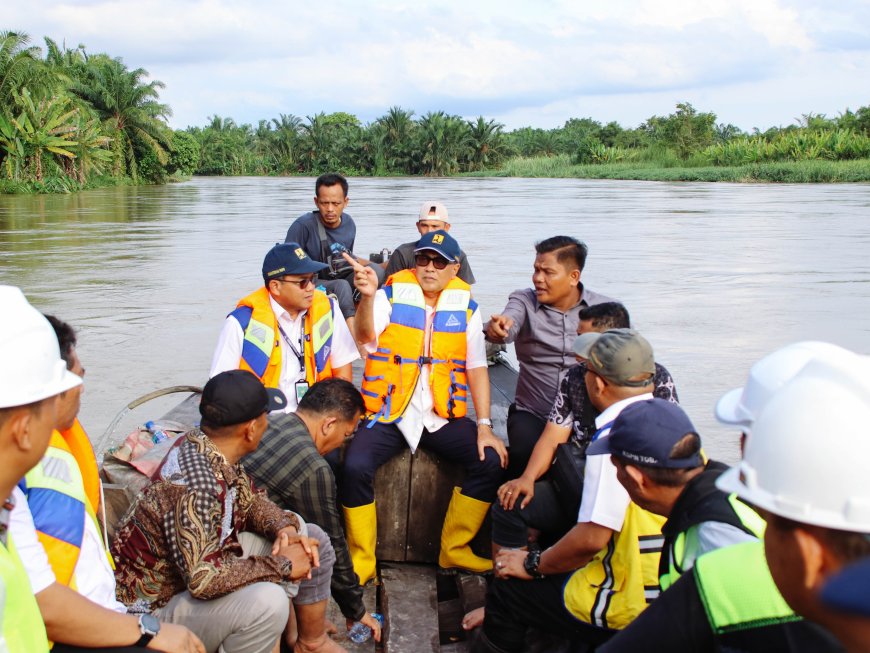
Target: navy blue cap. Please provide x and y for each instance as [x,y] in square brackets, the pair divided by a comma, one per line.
[289,258]
[645,432]
[237,396]
[849,589]
[442,242]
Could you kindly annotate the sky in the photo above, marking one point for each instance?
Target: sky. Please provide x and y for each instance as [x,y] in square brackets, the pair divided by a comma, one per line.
[754,63]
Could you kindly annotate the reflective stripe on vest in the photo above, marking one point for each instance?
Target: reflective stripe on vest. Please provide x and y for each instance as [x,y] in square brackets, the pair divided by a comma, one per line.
[56,498]
[261,352]
[22,628]
[688,540]
[619,582]
[738,591]
[393,369]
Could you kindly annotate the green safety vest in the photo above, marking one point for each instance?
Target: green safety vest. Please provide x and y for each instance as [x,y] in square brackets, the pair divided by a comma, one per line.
[749,521]
[738,591]
[22,629]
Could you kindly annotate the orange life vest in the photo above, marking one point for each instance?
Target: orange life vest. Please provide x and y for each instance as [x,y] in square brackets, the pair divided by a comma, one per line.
[261,353]
[58,495]
[392,370]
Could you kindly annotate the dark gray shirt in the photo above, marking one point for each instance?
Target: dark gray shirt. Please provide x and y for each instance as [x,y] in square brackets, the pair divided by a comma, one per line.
[402,258]
[544,341]
[304,231]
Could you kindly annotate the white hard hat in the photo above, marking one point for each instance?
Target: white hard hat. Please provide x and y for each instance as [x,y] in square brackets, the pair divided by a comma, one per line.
[806,458]
[742,405]
[31,368]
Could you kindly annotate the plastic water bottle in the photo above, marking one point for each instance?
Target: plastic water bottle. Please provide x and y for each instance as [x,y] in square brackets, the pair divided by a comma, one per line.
[157,435]
[360,633]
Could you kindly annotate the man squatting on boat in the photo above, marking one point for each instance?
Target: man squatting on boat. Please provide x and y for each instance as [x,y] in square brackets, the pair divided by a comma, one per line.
[664,552]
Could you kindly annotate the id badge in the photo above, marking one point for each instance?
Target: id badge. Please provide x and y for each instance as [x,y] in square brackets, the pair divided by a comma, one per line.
[301,389]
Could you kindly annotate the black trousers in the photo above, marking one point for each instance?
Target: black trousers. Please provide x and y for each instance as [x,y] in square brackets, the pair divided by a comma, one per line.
[513,606]
[523,430]
[544,512]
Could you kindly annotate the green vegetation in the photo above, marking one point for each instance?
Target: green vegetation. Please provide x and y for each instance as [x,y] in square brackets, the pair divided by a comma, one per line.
[70,120]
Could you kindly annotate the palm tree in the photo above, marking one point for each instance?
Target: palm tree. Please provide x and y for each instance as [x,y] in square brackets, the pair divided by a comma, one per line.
[487,143]
[20,66]
[396,139]
[444,141]
[128,107]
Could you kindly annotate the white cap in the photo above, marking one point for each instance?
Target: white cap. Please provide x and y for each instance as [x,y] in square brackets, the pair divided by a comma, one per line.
[31,368]
[742,405]
[806,457]
[440,212]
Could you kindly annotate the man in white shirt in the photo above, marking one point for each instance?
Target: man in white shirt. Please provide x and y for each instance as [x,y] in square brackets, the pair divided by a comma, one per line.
[288,333]
[566,600]
[426,356]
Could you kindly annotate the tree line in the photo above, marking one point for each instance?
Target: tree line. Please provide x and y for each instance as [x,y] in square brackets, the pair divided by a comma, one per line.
[69,119]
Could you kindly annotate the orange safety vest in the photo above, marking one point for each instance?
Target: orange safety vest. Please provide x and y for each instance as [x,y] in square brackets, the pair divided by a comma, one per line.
[61,490]
[392,370]
[261,353]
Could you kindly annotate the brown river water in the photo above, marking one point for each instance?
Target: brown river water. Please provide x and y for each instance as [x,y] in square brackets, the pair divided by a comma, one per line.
[715,275]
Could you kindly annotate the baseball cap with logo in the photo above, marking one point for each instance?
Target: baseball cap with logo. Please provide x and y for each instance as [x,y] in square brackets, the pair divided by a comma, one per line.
[440,212]
[289,258]
[619,355]
[645,432]
[237,396]
[439,241]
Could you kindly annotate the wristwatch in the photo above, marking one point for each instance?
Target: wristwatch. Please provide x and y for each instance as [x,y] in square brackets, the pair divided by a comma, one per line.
[484,421]
[530,564]
[149,626]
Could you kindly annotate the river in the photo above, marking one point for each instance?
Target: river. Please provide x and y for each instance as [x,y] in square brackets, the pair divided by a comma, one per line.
[715,275]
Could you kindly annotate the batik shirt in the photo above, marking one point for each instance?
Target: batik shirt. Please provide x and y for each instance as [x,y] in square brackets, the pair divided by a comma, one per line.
[182,532]
[573,408]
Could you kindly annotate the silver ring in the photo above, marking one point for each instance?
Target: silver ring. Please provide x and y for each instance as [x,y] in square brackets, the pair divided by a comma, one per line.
[510,492]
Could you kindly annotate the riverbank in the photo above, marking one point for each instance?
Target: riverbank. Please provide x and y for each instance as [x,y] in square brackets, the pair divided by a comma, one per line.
[796,172]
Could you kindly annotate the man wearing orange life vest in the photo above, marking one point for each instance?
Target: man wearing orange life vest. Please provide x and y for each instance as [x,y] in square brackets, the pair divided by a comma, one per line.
[287,333]
[426,357]
[60,541]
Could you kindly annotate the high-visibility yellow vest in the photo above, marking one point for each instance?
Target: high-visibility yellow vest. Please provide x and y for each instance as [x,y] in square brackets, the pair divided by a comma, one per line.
[672,557]
[392,370]
[737,590]
[622,578]
[261,352]
[22,629]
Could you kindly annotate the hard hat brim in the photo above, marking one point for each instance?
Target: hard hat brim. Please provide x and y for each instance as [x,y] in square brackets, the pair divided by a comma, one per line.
[63,380]
[728,409]
[731,483]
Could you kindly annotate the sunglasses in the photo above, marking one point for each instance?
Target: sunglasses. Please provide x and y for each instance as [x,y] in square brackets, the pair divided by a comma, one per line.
[422,261]
[302,283]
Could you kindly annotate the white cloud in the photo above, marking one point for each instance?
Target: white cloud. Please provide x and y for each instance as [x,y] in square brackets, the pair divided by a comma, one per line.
[516,60]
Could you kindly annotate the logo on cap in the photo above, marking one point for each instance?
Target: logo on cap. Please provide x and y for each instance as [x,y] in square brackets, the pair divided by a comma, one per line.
[437,239]
[300,253]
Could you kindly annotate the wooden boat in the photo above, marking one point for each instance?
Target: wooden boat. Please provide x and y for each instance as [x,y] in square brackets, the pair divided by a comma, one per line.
[422,609]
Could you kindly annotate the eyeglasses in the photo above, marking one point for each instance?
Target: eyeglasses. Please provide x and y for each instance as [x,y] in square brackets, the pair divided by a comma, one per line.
[439,262]
[302,283]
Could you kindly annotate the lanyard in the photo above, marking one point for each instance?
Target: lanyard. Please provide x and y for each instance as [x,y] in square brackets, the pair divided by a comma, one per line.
[604,428]
[297,352]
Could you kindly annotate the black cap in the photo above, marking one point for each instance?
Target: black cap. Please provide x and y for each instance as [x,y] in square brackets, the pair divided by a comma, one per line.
[237,396]
[289,258]
[645,432]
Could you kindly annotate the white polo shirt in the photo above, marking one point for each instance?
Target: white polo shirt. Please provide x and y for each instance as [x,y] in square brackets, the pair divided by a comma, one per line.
[228,352]
[604,500]
[420,413]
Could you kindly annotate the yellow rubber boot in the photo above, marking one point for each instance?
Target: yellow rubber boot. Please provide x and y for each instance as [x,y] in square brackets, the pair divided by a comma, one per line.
[464,518]
[361,530]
